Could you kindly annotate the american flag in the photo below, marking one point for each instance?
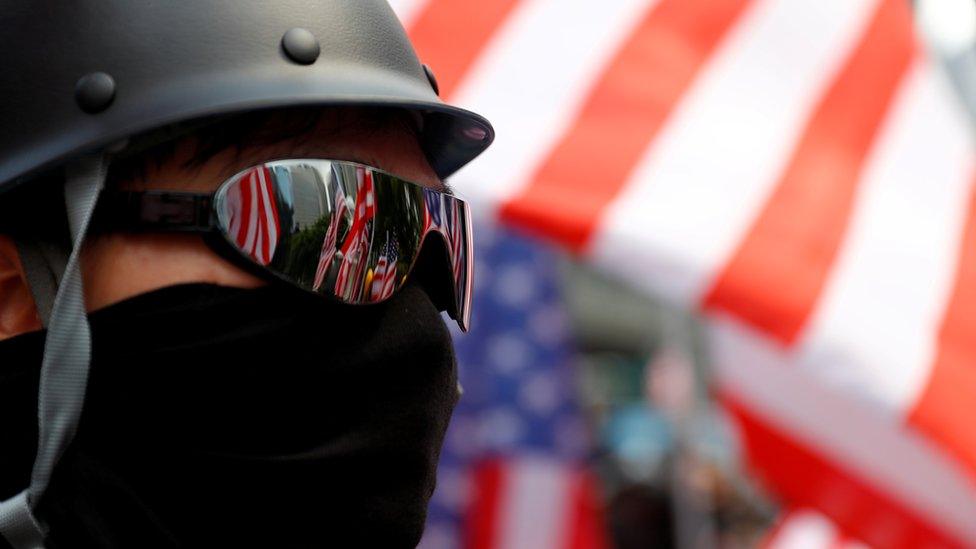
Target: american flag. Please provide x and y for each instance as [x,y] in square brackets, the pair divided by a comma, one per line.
[797,171]
[355,249]
[253,215]
[331,237]
[512,469]
[384,280]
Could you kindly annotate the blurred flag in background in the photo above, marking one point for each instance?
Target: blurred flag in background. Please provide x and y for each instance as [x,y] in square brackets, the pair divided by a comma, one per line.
[513,471]
[798,172]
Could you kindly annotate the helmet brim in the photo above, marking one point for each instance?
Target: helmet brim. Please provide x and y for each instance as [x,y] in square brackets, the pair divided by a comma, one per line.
[450,136]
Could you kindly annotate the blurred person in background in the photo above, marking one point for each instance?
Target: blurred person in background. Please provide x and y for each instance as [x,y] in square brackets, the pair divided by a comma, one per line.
[225,244]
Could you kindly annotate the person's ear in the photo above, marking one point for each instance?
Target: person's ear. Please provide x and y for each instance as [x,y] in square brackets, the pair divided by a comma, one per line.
[18,314]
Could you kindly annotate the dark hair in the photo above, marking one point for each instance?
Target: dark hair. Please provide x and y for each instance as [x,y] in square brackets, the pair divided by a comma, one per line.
[39,203]
[212,136]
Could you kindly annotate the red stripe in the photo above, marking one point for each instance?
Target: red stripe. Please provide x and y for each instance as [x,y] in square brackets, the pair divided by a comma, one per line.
[631,103]
[947,407]
[805,478]
[450,34]
[482,515]
[245,212]
[587,527]
[842,542]
[775,277]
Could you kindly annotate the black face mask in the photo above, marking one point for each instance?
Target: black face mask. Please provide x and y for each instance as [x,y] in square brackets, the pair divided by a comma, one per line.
[242,418]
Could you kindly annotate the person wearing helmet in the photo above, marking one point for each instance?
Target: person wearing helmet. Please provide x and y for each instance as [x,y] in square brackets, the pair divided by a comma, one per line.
[225,244]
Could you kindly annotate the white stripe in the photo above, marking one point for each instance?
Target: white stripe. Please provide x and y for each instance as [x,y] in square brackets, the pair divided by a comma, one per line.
[874,332]
[882,453]
[408,10]
[534,505]
[531,82]
[267,211]
[705,178]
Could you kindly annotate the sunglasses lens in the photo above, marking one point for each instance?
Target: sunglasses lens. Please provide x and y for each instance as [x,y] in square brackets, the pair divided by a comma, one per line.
[249,214]
[342,229]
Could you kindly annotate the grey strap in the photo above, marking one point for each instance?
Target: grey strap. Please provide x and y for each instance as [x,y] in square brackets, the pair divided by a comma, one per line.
[17,524]
[64,370]
[44,264]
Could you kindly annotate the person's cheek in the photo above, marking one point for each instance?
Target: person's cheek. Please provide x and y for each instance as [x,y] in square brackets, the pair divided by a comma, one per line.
[116,267]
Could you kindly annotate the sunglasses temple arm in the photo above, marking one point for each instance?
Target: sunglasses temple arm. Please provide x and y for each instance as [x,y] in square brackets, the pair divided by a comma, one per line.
[154,211]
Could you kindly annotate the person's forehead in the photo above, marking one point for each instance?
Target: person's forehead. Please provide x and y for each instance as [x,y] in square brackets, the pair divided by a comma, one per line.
[388,145]
[383,140]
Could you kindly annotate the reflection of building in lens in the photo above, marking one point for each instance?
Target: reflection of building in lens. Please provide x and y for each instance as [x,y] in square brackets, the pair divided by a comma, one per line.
[311,196]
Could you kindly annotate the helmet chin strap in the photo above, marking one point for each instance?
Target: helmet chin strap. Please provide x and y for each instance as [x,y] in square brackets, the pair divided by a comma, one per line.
[67,356]
[44,261]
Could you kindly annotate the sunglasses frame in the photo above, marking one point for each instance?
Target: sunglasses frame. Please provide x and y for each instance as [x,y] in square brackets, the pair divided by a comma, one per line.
[190,212]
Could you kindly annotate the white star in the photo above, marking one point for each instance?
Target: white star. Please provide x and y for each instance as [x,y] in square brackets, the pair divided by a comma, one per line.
[541,394]
[515,285]
[502,428]
[509,353]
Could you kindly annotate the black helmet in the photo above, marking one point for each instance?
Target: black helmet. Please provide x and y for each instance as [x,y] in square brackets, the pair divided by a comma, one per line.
[82,74]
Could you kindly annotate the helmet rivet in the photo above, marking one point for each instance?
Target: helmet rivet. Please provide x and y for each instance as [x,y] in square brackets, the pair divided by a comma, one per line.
[301,46]
[432,79]
[94,92]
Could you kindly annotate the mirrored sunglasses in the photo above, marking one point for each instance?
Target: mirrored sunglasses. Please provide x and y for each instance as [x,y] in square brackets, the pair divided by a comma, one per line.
[338,229]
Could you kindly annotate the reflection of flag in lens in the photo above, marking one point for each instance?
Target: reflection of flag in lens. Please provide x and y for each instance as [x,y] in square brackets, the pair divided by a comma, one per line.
[356,246]
[446,219]
[384,276]
[331,236]
[432,213]
[254,215]
[454,230]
